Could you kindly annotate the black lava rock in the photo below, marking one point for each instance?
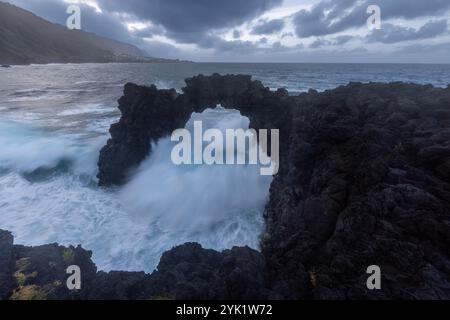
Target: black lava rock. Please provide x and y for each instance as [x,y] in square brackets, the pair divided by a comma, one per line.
[363,180]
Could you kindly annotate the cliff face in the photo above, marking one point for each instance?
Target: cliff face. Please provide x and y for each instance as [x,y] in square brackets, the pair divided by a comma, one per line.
[363,180]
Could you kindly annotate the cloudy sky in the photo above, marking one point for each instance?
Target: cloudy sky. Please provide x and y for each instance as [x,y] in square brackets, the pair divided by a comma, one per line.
[267,30]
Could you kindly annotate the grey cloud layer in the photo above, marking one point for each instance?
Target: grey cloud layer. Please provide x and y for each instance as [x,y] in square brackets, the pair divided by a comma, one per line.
[333,16]
[268,27]
[182,20]
[337,41]
[392,34]
[186,20]
[205,22]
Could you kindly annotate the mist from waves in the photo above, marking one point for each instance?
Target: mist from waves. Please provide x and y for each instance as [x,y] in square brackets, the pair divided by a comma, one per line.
[48,193]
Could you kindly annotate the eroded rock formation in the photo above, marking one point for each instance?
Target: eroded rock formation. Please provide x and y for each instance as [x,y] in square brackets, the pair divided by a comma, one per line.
[364,180]
[149,114]
[185,272]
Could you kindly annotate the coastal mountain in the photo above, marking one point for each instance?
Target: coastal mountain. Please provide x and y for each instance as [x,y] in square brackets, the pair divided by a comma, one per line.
[26,38]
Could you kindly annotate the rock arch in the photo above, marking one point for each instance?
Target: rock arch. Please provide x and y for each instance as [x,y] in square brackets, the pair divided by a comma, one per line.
[149,114]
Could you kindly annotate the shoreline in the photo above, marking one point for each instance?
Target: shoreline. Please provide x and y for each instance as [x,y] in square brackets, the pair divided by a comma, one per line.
[363,181]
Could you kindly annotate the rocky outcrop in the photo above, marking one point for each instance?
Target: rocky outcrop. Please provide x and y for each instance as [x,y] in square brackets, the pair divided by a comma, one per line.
[363,180]
[190,272]
[185,272]
[365,183]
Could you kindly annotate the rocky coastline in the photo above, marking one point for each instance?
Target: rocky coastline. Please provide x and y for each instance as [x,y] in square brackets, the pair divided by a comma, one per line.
[364,180]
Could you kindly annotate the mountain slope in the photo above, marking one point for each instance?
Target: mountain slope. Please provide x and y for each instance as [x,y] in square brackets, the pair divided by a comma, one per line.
[26,38]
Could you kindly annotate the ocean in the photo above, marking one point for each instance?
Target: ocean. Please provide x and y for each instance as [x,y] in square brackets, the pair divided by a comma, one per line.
[54,119]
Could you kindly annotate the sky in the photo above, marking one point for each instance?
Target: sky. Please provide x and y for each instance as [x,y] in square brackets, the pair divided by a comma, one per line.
[411,31]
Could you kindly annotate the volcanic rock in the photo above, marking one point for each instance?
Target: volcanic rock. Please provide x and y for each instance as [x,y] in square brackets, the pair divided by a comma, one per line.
[364,180]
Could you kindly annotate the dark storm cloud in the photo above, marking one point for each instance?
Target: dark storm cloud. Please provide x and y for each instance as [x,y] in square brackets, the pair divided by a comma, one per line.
[332,16]
[392,34]
[193,22]
[321,18]
[109,25]
[222,45]
[268,27]
[242,47]
[105,25]
[184,20]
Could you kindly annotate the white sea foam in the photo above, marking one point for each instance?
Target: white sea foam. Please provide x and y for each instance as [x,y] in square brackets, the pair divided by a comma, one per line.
[25,149]
[127,229]
[196,197]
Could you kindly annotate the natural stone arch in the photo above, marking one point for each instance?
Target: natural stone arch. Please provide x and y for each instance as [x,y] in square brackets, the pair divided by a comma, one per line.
[149,114]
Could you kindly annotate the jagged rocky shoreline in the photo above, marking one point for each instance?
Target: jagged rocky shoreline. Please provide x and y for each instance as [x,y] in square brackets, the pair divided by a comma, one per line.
[364,180]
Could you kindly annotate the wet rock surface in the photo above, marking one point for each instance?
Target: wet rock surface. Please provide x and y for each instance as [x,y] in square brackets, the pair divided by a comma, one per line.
[364,180]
